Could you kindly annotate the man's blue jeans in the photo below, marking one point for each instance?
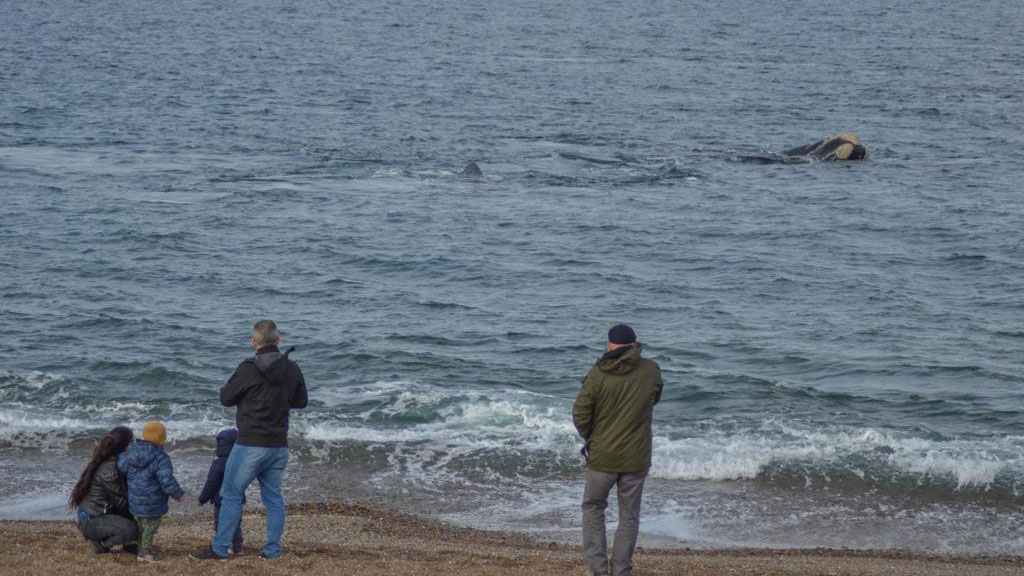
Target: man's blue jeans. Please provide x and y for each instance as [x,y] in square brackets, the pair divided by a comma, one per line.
[245,464]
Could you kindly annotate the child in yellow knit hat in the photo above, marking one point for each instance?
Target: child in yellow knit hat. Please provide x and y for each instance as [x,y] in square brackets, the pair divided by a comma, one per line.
[149,475]
[155,432]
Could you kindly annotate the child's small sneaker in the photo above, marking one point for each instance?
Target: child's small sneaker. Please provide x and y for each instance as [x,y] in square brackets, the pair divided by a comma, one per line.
[152,556]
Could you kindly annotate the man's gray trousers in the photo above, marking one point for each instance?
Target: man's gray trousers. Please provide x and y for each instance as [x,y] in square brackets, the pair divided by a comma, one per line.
[595,499]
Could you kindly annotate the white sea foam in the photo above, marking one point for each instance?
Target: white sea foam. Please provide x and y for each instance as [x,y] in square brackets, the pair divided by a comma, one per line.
[427,428]
[462,422]
[719,458]
[465,421]
[970,469]
[32,379]
[27,426]
[477,424]
[744,455]
[671,520]
[476,419]
[517,506]
[14,422]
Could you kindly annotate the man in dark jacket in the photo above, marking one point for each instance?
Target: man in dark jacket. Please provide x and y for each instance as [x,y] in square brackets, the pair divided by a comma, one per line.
[264,388]
[613,413]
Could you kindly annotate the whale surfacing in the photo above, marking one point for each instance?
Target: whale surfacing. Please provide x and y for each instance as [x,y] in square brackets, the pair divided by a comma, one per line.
[569,155]
[472,170]
[842,146]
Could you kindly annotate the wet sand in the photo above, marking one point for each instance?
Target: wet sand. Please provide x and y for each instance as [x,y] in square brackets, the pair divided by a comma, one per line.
[358,539]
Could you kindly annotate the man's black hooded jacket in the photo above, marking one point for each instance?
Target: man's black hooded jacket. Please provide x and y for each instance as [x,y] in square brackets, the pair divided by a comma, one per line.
[265,387]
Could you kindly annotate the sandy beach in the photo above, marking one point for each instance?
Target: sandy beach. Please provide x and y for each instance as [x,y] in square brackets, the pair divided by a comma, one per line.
[358,539]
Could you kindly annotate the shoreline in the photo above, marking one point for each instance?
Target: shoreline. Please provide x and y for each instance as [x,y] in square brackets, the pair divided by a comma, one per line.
[358,538]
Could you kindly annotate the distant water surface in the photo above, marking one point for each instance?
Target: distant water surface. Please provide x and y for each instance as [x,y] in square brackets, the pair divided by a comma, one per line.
[841,343]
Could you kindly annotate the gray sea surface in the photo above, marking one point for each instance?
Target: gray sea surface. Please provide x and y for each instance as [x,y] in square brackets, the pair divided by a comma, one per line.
[841,342]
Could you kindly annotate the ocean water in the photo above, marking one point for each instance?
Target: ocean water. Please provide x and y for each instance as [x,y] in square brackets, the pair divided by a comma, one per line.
[841,343]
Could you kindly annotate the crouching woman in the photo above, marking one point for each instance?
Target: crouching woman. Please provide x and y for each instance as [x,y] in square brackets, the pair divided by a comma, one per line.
[100,497]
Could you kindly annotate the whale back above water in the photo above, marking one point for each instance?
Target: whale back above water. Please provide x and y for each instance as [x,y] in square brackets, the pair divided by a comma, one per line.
[842,146]
[570,155]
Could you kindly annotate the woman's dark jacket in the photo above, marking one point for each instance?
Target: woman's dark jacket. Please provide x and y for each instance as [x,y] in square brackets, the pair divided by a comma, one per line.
[215,477]
[106,493]
[150,478]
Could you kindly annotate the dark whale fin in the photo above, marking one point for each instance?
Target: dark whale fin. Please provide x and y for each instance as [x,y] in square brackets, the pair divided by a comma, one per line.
[472,171]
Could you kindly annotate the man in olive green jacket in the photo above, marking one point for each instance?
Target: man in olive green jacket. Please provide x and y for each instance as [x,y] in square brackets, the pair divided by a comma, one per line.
[613,414]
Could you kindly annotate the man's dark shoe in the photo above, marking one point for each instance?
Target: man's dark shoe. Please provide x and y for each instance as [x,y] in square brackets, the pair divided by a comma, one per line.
[130,549]
[265,557]
[207,553]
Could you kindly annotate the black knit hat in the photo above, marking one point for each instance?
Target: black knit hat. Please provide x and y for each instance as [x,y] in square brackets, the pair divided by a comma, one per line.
[621,334]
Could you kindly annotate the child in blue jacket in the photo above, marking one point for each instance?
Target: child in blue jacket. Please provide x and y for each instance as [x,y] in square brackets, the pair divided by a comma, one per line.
[149,476]
[214,479]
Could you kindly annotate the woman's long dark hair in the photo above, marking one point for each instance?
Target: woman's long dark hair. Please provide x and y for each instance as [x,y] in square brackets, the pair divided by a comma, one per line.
[110,445]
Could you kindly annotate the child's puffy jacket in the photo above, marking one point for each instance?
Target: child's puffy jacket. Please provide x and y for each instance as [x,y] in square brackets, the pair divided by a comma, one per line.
[215,477]
[150,478]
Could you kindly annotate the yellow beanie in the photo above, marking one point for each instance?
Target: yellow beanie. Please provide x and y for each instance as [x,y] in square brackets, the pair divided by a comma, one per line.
[155,432]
